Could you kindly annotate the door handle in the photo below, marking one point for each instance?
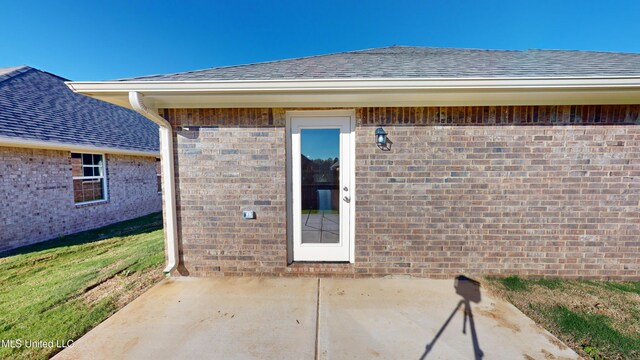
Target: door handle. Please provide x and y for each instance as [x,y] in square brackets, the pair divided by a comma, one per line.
[346,199]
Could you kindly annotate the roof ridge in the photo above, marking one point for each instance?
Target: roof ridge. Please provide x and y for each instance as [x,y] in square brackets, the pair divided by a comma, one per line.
[440,48]
[23,69]
[501,50]
[17,71]
[505,50]
[587,51]
[51,74]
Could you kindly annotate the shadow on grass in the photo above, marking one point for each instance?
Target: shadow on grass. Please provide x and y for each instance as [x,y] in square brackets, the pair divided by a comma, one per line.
[141,225]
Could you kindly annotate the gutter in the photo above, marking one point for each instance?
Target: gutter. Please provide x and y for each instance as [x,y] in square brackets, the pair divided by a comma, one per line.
[56,145]
[371,92]
[295,85]
[360,84]
[168,182]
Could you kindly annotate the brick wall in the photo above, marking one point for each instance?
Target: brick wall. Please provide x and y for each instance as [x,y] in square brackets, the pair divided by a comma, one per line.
[223,170]
[36,195]
[533,190]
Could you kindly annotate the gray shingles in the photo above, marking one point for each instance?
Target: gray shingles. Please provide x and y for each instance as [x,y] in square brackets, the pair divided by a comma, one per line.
[36,105]
[423,62]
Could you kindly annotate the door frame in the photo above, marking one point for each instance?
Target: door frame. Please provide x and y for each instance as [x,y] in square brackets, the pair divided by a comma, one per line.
[351,114]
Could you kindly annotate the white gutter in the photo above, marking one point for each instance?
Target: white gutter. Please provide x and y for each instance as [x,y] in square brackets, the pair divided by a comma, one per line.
[371,92]
[356,84]
[56,145]
[168,182]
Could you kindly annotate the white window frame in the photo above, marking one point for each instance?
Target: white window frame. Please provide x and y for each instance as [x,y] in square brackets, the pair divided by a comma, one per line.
[104,176]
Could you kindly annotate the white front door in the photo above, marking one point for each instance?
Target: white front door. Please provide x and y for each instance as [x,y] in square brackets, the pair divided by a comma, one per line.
[321,187]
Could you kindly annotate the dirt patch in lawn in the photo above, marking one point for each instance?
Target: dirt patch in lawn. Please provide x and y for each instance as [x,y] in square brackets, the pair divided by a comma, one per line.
[597,319]
[126,286]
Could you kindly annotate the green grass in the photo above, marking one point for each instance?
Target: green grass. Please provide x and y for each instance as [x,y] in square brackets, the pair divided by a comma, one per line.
[60,289]
[514,283]
[595,329]
[598,319]
[631,287]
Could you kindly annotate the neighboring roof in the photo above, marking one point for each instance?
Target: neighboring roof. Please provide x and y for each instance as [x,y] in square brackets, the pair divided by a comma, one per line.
[8,70]
[424,63]
[38,106]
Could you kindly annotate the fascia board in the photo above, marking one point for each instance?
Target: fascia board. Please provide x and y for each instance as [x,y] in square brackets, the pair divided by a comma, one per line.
[54,145]
[371,92]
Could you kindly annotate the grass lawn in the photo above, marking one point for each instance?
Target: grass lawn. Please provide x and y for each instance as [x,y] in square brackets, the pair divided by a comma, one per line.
[60,289]
[598,319]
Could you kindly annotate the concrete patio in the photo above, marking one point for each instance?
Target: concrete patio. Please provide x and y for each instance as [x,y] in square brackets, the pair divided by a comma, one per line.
[282,318]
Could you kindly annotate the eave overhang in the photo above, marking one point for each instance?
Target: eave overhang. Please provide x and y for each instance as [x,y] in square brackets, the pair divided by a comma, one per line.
[369,92]
[8,141]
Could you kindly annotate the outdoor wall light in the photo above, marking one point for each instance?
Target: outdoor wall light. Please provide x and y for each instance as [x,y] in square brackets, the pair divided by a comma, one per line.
[381,137]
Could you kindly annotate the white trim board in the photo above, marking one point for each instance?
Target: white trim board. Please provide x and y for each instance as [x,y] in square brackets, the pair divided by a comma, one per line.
[370,92]
[54,145]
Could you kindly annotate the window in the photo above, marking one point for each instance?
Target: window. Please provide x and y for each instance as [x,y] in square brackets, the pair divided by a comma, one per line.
[89,177]
[158,176]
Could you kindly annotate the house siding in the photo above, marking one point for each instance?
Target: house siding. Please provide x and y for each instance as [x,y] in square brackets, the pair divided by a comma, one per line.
[529,190]
[36,188]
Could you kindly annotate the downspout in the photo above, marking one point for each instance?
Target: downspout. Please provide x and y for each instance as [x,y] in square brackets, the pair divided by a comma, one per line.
[168,181]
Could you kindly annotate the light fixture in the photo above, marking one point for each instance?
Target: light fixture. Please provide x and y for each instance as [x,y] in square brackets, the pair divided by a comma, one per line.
[381,137]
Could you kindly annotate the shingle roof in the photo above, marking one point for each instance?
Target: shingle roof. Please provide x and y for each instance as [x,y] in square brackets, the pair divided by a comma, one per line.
[424,62]
[8,70]
[37,105]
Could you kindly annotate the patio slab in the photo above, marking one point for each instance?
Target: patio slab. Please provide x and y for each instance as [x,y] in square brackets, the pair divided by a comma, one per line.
[209,318]
[293,318]
[424,319]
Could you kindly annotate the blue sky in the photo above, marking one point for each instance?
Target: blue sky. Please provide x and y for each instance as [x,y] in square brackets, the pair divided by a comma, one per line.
[98,40]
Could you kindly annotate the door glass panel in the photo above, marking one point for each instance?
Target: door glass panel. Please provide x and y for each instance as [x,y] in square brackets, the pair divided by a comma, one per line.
[320,185]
